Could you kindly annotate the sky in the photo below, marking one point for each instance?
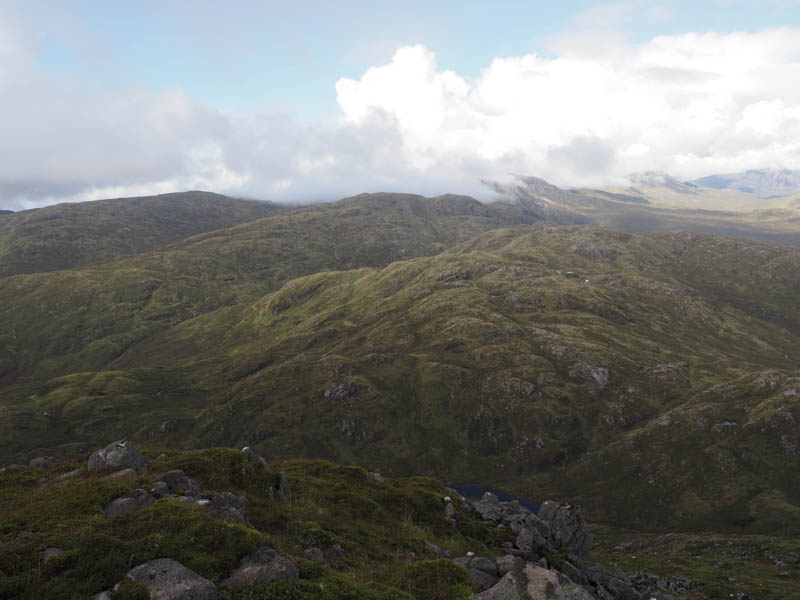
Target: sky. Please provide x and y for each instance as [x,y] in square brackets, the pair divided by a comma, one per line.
[315,100]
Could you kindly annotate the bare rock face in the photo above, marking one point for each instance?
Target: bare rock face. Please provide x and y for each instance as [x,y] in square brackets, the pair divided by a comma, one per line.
[118,455]
[566,527]
[167,579]
[265,564]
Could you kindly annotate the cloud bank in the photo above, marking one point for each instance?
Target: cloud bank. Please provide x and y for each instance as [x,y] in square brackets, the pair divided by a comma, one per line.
[690,104]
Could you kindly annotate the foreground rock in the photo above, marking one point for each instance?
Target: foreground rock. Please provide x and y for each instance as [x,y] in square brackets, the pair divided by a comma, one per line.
[557,529]
[265,564]
[118,455]
[167,579]
[530,582]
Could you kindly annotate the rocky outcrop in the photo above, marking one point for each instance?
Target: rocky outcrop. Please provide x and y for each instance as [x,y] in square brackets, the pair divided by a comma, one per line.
[167,579]
[557,529]
[265,564]
[253,457]
[118,455]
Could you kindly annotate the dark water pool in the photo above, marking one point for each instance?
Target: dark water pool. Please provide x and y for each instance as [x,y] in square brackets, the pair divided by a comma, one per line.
[475,491]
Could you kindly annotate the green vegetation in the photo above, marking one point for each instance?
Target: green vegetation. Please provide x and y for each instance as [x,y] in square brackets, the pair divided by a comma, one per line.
[376,525]
[721,565]
[64,236]
[549,361]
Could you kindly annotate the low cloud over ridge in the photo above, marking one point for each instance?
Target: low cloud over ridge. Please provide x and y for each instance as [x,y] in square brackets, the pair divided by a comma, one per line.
[689,104]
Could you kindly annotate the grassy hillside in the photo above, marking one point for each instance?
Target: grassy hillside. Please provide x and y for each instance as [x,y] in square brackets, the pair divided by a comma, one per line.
[81,319]
[541,359]
[64,236]
[377,526]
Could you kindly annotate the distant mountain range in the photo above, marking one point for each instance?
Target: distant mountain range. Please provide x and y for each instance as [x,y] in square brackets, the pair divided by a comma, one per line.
[772,183]
[650,376]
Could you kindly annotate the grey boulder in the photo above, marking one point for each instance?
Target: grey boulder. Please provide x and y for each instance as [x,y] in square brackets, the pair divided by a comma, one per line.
[265,564]
[227,507]
[167,579]
[178,483]
[118,455]
[533,583]
[129,503]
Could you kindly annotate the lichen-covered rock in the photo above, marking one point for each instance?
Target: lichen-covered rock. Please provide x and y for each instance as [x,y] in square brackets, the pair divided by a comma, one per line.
[179,483]
[566,527]
[253,457]
[122,474]
[129,503]
[227,507]
[265,564]
[533,583]
[67,476]
[118,455]
[167,579]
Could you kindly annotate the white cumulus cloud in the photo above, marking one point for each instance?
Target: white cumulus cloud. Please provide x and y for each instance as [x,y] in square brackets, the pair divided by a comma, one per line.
[690,104]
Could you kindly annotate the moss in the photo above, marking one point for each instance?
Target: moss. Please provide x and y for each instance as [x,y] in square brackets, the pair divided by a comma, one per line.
[434,580]
[131,590]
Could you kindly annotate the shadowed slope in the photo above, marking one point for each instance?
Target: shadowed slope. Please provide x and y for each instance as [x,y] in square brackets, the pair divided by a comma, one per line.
[64,236]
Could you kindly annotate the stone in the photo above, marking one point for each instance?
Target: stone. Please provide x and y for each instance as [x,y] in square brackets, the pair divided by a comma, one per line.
[481,580]
[282,491]
[566,527]
[104,595]
[265,564]
[506,563]
[376,477]
[167,579]
[485,564]
[179,483]
[42,462]
[227,507]
[67,476]
[530,582]
[571,571]
[49,554]
[315,555]
[336,551]
[129,503]
[254,458]
[489,508]
[532,543]
[160,490]
[160,457]
[439,552]
[118,455]
[124,473]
